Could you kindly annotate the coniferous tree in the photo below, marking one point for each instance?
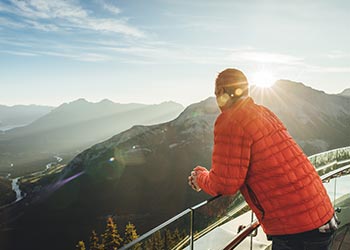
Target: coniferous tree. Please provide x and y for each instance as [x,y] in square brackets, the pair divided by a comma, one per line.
[130,235]
[80,246]
[177,236]
[111,238]
[148,244]
[101,246]
[94,241]
[169,239]
[158,241]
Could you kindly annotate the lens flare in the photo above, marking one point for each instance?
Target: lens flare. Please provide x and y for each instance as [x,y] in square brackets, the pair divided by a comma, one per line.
[238,92]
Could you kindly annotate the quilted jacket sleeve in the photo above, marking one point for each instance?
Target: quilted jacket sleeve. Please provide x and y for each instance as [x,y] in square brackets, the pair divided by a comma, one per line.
[230,159]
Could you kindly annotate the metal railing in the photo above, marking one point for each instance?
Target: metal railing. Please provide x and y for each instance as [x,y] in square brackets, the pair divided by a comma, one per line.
[187,229]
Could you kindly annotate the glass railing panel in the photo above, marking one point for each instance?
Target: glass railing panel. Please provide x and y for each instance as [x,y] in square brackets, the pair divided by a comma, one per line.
[338,187]
[173,234]
[209,216]
[216,212]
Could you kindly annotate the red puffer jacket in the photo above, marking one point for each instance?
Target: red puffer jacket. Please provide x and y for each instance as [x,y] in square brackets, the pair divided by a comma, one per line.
[254,152]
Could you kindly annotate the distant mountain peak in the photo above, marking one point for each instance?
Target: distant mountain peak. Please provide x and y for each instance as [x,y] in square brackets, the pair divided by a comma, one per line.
[80,101]
[106,101]
[75,104]
[169,102]
[204,111]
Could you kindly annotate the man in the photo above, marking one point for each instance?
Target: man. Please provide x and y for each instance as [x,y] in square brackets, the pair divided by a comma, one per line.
[254,153]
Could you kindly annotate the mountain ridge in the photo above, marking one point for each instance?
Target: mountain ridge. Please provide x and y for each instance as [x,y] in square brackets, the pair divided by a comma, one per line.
[75,126]
[21,115]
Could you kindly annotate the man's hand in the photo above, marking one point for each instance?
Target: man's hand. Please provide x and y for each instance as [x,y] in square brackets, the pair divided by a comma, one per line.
[192,179]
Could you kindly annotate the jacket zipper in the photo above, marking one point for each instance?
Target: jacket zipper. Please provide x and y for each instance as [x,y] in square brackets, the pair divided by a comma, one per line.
[255,201]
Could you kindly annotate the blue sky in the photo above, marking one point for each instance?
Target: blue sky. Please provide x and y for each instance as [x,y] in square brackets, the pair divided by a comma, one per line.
[55,51]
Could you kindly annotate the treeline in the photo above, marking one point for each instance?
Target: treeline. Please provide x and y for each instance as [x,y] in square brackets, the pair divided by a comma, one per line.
[164,239]
[112,240]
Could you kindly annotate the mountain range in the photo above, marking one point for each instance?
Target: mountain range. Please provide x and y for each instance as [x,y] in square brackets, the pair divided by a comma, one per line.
[73,127]
[140,175]
[21,115]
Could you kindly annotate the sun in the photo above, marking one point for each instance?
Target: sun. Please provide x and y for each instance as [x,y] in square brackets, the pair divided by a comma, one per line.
[263,79]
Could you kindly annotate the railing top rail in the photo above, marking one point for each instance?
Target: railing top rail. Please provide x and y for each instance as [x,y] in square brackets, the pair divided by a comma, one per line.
[205,202]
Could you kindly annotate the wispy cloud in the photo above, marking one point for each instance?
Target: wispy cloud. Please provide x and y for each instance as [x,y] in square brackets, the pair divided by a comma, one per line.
[111,8]
[163,54]
[64,15]
[330,69]
[337,54]
[103,24]
[11,24]
[54,49]
[42,26]
[80,56]
[47,9]
[199,22]
[251,55]
[18,53]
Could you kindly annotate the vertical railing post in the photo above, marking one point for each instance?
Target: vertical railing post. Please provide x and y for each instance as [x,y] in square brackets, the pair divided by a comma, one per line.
[251,235]
[191,230]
